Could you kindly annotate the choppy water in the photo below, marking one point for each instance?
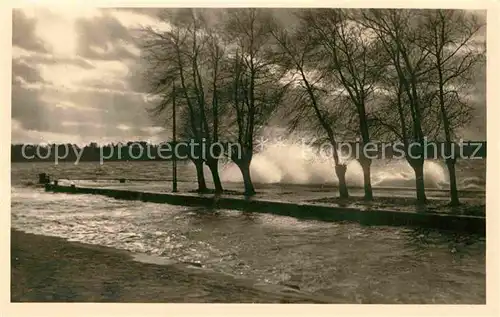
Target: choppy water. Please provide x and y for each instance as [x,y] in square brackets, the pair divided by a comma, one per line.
[279,166]
[342,261]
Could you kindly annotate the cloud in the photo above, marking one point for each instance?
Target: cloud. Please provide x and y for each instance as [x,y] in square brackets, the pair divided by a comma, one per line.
[23,72]
[477,128]
[71,77]
[99,84]
[137,17]
[104,37]
[153,130]
[112,51]
[22,135]
[23,32]
[103,75]
[152,13]
[136,77]
[53,28]
[49,59]
[45,108]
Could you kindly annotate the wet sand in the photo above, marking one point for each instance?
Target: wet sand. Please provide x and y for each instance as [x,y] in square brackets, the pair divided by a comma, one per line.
[50,269]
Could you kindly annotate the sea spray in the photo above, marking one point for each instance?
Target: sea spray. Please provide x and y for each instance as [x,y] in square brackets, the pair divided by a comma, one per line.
[291,161]
[398,173]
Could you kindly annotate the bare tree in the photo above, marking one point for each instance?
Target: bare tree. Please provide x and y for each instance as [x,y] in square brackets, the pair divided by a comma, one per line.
[216,62]
[205,57]
[165,67]
[398,31]
[189,55]
[355,64]
[256,89]
[449,36]
[303,60]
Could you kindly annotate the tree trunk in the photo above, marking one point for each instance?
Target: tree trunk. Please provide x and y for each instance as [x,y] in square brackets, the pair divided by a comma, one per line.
[341,170]
[213,165]
[367,182]
[247,179]
[450,163]
[418,167]
[202,185]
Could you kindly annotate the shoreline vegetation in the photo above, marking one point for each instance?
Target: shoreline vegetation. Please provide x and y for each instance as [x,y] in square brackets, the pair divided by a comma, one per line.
[52,269]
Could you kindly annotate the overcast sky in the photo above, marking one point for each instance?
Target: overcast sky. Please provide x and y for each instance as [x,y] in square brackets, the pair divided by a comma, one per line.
[74,78]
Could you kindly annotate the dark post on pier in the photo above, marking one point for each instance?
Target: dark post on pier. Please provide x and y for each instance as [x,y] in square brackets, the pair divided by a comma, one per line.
[174,156]
[43,178]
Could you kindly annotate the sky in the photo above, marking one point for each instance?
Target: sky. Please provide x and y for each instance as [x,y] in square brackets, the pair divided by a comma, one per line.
[75,78]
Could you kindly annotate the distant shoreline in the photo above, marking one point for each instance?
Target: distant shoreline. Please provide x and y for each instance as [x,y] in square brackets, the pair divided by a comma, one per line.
[143,151]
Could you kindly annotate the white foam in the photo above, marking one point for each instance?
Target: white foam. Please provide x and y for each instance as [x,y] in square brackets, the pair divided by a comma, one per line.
[292,162]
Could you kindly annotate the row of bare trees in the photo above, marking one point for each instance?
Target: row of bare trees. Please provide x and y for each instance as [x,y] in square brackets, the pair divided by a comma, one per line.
[365,74]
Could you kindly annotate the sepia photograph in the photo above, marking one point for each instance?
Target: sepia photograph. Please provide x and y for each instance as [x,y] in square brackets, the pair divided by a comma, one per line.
[248,155]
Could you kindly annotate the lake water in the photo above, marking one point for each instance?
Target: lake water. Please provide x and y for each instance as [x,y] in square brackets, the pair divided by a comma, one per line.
[471,174]
[344,261]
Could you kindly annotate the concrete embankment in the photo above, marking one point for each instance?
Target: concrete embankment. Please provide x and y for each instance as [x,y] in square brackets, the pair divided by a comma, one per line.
[323,212]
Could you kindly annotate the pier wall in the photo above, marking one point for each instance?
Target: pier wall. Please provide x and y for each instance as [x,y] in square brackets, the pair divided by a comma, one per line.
[464,223]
